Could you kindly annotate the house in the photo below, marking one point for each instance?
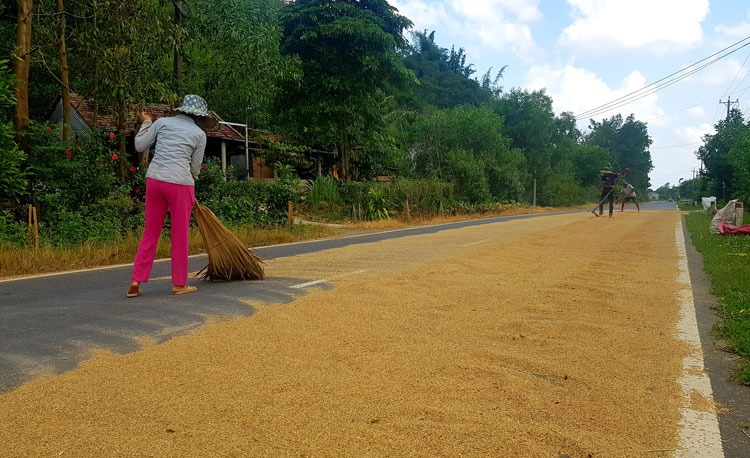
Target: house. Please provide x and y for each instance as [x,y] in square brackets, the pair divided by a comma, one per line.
[225,141]
[653,195]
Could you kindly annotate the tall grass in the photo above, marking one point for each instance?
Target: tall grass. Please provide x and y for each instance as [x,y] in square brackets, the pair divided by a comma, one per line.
[16,260]
[727,262]
[323,189]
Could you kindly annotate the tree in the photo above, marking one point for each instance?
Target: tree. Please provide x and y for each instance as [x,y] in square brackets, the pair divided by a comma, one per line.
[21,64]
[64,78]
[444,77]
[12,172]
[530,123]
[628,144]
[233,59]
[349,54]
[714,153]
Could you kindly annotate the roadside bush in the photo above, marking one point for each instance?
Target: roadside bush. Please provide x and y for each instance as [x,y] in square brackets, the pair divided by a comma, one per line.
[423,195]
[354,192]
[323,189]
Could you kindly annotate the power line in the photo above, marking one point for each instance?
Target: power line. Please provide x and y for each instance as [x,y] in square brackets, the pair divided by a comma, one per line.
[675,146]
[665,82]
[635,97]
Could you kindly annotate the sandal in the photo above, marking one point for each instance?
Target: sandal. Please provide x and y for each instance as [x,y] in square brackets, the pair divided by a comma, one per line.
[189,289]
[135,294]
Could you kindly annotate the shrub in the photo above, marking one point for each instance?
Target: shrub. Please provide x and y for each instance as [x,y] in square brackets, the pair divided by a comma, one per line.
[323,189]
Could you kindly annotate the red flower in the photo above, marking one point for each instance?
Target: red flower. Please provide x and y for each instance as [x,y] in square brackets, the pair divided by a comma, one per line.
[69,154]
[49,129]
[462,162]
[145,162]
[462,175]
[127,134]
[97,186]
[132,169]
[99,161]
[449,153]
[483,190]
[482,154]
[203,166]
[442,168]
[137,190]
[111,135]
[114,157]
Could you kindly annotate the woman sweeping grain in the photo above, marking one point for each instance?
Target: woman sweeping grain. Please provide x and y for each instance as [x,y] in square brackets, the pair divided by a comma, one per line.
[170,182]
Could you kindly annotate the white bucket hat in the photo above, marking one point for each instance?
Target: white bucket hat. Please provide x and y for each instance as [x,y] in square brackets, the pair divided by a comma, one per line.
[193,104]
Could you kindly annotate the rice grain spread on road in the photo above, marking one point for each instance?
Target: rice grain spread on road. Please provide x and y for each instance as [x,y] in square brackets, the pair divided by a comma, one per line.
[544,337]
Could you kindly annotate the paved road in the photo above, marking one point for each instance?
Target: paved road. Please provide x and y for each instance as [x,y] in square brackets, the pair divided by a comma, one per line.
[48,324]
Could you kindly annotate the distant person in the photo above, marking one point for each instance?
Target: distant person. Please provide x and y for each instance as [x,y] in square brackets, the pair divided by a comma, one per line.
[335,172]
[608,187]
[170,182]
[628,193]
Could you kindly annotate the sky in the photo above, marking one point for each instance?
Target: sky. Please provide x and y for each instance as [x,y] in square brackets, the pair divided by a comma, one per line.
[586,53]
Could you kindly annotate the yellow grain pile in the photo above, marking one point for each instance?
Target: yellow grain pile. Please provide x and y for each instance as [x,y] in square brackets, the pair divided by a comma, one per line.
[530,338]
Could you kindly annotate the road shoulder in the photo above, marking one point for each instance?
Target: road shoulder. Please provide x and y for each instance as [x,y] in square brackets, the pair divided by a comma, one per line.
[732,397]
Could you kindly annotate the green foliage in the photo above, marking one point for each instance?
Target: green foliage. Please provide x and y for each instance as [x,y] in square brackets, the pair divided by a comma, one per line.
[377,204]
[348,51]
[729,269]
[13,175]
[232,57]
[444,77]
[242,203]
[323,189]
[628,143]
[423,195]
[354,193]
[12,231]
[77,174]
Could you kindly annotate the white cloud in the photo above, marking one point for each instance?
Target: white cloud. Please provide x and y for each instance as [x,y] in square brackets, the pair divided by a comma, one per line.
[740,30]
[721,73]
[579,90]
[696,112]
[498,24]
[693,134]
[656,25]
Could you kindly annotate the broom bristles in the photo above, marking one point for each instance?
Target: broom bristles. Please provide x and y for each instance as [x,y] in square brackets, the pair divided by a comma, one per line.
[228,257]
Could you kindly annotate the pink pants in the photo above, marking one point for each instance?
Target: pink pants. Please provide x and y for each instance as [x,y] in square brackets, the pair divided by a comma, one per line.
[160,197]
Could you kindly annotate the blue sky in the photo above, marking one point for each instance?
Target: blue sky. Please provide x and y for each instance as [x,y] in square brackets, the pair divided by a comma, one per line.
[588,52]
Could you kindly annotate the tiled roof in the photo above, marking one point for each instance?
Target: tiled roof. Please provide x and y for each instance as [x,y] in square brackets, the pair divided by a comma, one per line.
[132,118]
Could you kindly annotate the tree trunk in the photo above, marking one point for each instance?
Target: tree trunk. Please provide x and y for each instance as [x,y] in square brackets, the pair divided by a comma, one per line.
[65,88]
[21,64]
[121,119]
[95,89]
[347,159]
[177,56]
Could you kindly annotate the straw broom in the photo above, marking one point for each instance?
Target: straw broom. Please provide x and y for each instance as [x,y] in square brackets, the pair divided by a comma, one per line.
[228,257]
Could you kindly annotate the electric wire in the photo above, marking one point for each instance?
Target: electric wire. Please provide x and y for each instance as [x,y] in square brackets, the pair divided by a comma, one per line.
[665,81]
[636,96]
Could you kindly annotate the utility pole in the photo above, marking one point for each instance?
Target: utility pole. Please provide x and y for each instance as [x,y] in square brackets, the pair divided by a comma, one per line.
[729,104]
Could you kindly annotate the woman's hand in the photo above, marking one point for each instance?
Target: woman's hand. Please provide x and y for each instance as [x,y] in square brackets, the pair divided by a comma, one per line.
[145,117]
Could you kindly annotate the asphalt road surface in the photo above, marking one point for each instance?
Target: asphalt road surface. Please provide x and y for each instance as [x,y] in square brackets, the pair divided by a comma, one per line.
[49,324]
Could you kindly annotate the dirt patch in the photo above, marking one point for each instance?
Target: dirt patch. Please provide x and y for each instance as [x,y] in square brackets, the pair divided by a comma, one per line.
[526,338]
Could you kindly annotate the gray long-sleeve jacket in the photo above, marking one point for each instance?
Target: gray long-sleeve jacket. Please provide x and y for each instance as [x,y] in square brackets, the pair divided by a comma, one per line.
[180,144]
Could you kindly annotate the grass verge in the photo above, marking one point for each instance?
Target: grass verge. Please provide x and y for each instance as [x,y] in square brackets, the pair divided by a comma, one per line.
[726,259]
[21,261]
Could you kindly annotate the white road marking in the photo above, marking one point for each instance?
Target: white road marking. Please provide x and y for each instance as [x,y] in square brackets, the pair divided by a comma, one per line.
[699,433]
[316,282]
[476,243]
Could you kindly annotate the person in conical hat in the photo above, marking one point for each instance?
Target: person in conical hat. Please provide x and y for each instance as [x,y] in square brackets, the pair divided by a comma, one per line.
[170,186]
[608,186]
